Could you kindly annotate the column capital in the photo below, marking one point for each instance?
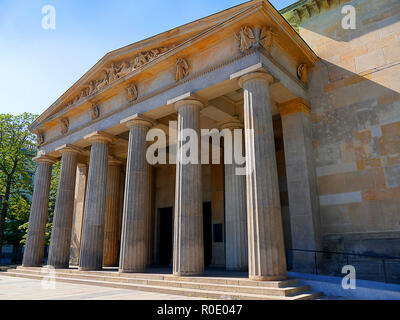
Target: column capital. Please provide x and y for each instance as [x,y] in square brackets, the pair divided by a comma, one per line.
[82,165]
[113,161]
[231,124]
[190,101]
[138,120]
[256,75]
[98,136]
[294,106]
[44,159]
[69,148]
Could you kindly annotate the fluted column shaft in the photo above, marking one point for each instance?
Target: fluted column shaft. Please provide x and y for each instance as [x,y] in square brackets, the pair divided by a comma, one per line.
[34,249]
[188,256]
[79,206]
[236,252]
[111,227]
[91,255]
[301,183]
[60,241]
[267,259]
[133,256]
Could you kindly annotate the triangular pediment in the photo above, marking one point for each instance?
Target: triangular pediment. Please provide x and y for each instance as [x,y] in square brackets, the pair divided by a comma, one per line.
[119,65]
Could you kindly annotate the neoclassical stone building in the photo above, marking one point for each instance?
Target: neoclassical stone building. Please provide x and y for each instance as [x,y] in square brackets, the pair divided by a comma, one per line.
[323,104]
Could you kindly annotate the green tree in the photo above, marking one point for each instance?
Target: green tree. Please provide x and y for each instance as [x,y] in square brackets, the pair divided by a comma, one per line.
[17,147]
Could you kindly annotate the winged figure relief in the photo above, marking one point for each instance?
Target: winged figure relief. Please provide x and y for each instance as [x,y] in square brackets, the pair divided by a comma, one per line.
[266,37]
[246,38]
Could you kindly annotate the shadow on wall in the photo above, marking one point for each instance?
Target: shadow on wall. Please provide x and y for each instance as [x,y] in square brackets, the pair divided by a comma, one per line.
[356,138]
[354,91]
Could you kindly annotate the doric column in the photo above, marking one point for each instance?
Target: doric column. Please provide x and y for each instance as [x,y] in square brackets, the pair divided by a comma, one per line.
[91,254]
[188,256]
[133,256]
[235,208]
[111,227]
[60,241]
[267,259]
[301,181]
[79,206]
[34,249]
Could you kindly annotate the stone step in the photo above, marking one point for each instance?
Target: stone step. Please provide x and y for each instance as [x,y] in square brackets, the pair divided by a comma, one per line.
[186,283]
[152,276]
[200,293]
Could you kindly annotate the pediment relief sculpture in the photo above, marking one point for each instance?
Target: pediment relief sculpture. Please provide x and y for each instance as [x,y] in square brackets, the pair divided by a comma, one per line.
[249,37]
[117,70]
[95,111]
[302,72]
[64,125]
[182,69]
[132,93]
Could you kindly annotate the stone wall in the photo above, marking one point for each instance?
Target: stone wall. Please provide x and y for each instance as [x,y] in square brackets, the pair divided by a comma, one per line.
[354,93]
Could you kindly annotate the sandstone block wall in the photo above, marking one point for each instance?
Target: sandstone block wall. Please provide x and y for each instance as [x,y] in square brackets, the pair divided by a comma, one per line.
[355,98]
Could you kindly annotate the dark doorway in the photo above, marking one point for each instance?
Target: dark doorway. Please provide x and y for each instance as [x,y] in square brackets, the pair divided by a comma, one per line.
[207,233]
[166,231]
[165,245]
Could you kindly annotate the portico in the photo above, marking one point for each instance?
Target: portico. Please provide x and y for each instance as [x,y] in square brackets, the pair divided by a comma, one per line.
[241,68]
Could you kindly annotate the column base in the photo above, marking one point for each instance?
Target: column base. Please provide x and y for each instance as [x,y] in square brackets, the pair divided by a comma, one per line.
[268,278]
[89,269]
[58,267]
[237,269]
[31,265]
[187,274]
[110,265]
[132,271]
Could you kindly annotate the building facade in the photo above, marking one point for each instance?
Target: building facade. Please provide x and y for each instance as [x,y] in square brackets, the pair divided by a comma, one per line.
[321,109]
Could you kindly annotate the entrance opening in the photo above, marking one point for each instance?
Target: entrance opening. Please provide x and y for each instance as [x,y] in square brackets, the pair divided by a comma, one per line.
[166,233]
[165,245]
[207,233]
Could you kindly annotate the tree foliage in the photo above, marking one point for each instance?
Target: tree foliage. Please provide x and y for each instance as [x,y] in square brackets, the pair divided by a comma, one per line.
[17,170]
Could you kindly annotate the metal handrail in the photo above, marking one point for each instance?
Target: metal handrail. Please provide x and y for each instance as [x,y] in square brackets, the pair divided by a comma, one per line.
[347,254]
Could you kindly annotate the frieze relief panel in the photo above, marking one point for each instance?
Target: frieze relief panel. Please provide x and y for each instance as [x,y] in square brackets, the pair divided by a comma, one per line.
[302,72]
[39,138]
[254,37]
[132,93]
[182,69]
[64,125]
[95,111]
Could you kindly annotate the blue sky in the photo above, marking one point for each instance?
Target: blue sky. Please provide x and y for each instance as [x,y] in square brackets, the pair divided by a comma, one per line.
[38,65]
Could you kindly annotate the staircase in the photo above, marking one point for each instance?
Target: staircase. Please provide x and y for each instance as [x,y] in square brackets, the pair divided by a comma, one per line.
[220,287]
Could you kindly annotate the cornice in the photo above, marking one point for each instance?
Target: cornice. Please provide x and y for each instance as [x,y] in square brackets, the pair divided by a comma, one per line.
[304,10]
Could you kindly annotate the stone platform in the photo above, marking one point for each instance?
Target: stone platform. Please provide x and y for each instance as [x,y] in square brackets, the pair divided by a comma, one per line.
[213,285]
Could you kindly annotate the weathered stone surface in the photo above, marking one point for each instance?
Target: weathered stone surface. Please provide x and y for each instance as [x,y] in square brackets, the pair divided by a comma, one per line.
[91,254]
[134,241]
[111,225]
[34,250]
[301,183]
[266,244]
[188,257]
[60,241]
[235,211]
[79,206]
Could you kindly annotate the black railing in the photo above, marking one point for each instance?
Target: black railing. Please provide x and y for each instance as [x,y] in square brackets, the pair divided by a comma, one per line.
[329,261]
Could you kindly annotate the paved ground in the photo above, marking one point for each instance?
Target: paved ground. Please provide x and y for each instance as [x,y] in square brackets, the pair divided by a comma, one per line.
[29,289]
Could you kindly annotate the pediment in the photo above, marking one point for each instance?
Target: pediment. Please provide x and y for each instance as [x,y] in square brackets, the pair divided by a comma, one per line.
[252,23]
